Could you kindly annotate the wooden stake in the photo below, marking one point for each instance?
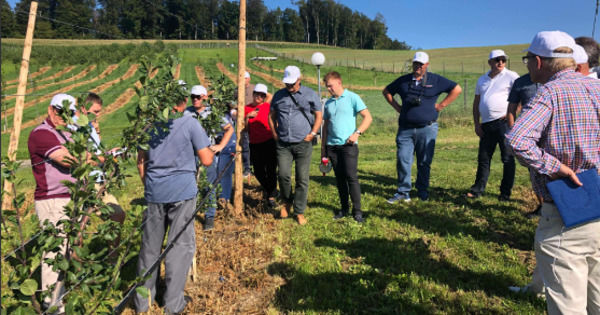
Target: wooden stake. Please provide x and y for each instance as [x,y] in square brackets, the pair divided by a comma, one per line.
[21,90]
[238,200]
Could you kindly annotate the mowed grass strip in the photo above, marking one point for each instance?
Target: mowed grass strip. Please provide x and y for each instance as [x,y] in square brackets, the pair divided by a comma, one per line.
[32,75]
[52,75]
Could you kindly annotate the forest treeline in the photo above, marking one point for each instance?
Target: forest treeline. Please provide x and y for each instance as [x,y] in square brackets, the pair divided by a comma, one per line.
[311,21]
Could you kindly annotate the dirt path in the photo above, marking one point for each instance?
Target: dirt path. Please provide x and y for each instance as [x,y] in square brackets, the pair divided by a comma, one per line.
[276,83]
[202,77]
[105,73]
[123,99]
[227,73]
[130,72]
[32,75]
[232,263]
[80,75]
[52,77]
[313,80]
[177,72]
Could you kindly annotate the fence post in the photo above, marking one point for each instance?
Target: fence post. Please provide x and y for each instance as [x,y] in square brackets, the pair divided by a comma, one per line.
[466,89]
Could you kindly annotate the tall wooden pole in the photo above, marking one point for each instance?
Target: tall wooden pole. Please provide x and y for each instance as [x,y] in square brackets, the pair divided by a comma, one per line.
[21,90]
[238,199]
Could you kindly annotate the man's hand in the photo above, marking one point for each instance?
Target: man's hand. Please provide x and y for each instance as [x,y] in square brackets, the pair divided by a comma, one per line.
[252,114]
[217,148]
[478,130]
[309,137]
[566,171]
[353,138]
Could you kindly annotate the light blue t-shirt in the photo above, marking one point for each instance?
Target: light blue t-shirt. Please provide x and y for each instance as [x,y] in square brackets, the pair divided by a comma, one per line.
[341,114]
[171,165]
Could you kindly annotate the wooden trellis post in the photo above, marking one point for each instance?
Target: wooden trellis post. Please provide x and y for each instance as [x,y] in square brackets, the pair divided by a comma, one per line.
[238,198]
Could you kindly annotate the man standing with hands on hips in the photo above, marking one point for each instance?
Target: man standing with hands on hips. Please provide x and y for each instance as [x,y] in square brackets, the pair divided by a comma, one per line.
[341,135]
[294,119]
[417,126]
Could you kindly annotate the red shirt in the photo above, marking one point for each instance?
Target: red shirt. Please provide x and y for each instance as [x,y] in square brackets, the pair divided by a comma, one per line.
[258,127]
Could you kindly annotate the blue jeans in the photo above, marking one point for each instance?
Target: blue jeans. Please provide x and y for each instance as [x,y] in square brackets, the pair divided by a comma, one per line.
[420,142]
[213,171]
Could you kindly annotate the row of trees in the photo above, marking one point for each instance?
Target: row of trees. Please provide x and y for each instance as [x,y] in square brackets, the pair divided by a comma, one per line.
[314,21]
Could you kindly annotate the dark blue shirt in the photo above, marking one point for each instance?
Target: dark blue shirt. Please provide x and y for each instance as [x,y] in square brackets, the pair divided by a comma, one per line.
[522,91]
[409,91]
[292,125]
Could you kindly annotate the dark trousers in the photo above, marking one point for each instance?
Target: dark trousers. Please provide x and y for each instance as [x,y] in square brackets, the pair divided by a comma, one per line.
[344,159]
[287,153]
[246,151]
[264,161]
[493,133]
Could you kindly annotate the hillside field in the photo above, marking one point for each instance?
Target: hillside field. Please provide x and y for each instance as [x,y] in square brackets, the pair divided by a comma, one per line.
[446,255]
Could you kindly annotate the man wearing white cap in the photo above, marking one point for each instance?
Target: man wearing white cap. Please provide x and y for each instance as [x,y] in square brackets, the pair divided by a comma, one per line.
[219,140]
[294,119]
[592,49]
[50,167]
[558,136]
[489,115]
[417,126]
[581,59]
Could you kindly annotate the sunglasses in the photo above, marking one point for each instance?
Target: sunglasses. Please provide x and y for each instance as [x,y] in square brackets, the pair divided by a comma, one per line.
[196,97]
[290,85]
[60,111]
[500,59]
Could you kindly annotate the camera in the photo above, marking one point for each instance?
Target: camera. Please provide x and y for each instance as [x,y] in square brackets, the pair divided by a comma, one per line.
[414,101]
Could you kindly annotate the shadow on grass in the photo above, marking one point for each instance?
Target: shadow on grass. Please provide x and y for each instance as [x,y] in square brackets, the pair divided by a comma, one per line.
[484,220]
[379,277]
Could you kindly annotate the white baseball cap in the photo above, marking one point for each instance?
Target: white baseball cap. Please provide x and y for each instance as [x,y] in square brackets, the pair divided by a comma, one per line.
[183,84]
[421,56]
[497,53]
[247,75]
[260,88]
[544,43]
[58,99]
[291,74]
[579,55]
[199,90]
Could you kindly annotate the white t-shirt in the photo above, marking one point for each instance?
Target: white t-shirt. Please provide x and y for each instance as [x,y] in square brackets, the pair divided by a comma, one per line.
[493,94]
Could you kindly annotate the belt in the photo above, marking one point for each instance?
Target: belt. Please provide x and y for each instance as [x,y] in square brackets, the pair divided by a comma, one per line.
[421,125]
[495,120]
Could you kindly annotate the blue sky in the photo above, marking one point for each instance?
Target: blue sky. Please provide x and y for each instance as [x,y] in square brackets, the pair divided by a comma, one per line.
[431,24]
[458,23]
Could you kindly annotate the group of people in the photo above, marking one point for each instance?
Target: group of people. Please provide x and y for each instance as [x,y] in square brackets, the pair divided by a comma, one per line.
[556,135]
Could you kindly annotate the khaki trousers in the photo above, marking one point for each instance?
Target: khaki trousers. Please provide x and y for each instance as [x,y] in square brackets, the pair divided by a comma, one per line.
[53,211]
[569,262]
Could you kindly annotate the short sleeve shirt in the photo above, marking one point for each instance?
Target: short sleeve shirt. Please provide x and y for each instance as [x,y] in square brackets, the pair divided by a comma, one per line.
[493,94]
[218,134]
[43,140]
[522,91]
[258,126]
[292,125]
[409,89]
[340,114]
[171,165]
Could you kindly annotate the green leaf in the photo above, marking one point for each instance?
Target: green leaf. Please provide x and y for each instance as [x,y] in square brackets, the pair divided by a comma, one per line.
[166,113]
[28,287]
[143,291]
[83,120]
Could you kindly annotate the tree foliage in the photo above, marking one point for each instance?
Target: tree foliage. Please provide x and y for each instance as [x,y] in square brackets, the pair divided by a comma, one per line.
[312,21]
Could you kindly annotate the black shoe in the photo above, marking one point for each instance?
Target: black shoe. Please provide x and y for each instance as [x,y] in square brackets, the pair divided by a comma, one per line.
[536,213]
[359,218]
[271,203]
[503,197]
[209,224]
[340,215]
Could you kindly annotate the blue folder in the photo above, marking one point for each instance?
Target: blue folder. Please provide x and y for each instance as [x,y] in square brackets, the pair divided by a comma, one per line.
[575,204]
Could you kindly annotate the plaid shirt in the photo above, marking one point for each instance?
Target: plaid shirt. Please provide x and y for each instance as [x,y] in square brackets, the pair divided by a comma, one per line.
[561,125]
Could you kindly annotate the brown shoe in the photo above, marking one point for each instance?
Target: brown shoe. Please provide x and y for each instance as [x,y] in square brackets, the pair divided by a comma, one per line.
[285,209]
[301,219]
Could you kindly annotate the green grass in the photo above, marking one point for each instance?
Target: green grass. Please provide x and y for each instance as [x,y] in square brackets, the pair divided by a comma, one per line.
[446,255]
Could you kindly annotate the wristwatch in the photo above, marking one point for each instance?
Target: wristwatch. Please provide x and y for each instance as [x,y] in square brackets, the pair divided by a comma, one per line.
[313,133]
[358,132]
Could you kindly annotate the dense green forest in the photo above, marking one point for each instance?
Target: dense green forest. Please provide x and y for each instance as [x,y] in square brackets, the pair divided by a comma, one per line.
[313,21]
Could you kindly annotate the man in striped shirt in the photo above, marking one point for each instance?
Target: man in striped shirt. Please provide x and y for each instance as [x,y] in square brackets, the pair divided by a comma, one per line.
[559,136]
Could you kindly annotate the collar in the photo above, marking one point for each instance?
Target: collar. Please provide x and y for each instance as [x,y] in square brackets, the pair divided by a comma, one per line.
[49,122]
[501,73]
